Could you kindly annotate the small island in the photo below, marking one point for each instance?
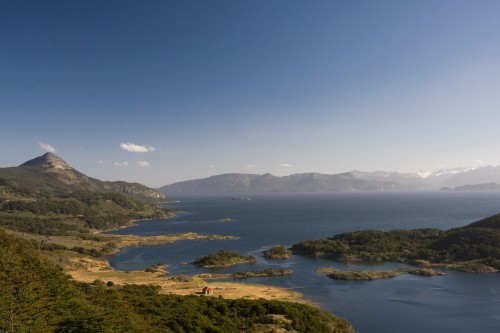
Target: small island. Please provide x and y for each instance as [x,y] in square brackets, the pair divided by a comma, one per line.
[277,252]
[268,272]
[158,269]
[336,274]
[223,258]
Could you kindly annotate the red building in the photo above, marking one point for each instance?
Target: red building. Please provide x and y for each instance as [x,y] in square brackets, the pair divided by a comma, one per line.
[207,291]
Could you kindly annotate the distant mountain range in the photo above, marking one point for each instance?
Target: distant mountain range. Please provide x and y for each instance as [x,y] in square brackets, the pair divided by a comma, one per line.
[475,187]
[354,181]
[51,175]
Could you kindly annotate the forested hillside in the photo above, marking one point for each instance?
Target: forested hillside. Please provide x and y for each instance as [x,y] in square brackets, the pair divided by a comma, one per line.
[73,212]
[475,247]
[38,297]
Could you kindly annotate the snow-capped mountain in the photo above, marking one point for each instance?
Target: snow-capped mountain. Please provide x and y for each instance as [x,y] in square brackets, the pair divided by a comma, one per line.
[450,171]
[449,177]
[412,179]
[464,176]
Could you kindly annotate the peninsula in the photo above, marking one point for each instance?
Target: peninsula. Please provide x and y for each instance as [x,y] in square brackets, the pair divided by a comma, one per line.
[336,274]
[473,248]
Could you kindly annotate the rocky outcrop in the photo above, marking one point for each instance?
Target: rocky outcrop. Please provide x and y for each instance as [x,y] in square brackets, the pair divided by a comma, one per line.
[158,269]
[48,160]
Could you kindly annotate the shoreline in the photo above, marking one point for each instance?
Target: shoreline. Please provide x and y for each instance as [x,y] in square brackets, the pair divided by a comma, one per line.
[133,223]
[85,268]
[362,275]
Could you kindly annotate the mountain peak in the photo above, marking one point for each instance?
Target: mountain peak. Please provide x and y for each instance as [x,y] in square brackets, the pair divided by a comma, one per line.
[49,161]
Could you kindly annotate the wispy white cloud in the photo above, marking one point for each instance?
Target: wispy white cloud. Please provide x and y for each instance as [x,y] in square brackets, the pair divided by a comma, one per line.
[132,147]
[121,164]
[47,147]
[100,161]
[286,165]
[250,166]
[144,163]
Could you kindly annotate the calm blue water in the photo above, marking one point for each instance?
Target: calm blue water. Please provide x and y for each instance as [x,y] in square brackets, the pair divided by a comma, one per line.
[457,302]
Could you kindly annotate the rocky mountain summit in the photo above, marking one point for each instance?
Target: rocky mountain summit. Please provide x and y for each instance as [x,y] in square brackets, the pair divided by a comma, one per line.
[49,161]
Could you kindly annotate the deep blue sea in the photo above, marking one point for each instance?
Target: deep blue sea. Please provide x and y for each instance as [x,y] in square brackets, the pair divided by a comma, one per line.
[457,302]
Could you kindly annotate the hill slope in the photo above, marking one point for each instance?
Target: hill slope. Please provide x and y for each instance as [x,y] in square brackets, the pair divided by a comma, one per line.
[47,196]
[49,174]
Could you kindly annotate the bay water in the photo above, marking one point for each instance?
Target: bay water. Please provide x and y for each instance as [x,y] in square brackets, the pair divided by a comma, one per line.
[457,302]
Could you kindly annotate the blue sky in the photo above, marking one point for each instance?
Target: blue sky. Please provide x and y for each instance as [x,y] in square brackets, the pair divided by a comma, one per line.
[163,91]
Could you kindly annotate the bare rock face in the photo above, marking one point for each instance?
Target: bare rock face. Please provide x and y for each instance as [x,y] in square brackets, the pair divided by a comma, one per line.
[48,160]
[53,164]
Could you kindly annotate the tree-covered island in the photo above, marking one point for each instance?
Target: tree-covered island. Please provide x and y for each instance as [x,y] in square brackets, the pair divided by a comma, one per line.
[277,252]
[473,248]
[223,258]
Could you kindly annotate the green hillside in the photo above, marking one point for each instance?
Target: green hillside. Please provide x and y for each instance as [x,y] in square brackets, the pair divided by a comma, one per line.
[48,197]
[38,297]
